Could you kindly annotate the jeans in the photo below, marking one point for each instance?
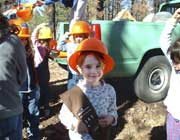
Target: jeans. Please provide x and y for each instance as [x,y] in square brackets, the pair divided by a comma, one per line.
[78,12]
[43,77]
[44,93]
[31,113]
[11,128]
[73,80]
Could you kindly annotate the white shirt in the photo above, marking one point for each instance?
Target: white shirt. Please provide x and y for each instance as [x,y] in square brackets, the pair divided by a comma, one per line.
[172,101]
[103,99]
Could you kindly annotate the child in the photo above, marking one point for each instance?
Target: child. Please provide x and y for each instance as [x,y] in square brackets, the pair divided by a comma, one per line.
[92,61]
[80,31]
[172,52]
[29,91]
[41,37]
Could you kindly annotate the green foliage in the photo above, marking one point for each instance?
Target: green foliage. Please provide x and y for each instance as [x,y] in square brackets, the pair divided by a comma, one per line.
[37,19]
[61,14]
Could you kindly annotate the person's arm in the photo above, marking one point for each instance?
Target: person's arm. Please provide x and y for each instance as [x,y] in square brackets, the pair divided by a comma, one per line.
[112,110]
[34,36]
[110,119]
[165,38]
[62,42]
[21,61]
[38,49]
[46,2]
[66,117]
[78,12]
[70,121]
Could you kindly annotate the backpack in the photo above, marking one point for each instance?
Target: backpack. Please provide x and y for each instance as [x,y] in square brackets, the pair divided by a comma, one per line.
[67,3]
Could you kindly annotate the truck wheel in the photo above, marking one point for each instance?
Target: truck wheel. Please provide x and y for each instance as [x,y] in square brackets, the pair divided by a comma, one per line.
[152,82]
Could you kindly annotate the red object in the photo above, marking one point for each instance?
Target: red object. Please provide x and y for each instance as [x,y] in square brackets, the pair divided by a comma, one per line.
[25,12]
[53,44]
[96,29]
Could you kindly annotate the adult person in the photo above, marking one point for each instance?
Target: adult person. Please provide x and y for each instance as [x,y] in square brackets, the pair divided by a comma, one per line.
[12,75]
[78,9]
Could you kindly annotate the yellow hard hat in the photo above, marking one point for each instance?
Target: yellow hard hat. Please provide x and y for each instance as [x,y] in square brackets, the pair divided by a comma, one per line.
[22,27]
[16,22]
[24,31]
[81,27]
[45,33]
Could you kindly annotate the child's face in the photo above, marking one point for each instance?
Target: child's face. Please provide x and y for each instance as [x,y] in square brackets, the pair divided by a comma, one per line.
[44,42]
[177,67]
[176,64]
[91,70]
[79,37]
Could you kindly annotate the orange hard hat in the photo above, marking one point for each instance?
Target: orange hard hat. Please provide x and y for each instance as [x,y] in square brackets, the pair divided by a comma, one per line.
[94,45]
[24,32]
[25,12]
[80,27]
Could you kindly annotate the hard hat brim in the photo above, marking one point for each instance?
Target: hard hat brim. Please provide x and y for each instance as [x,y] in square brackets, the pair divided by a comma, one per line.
[24,36]
[108,61]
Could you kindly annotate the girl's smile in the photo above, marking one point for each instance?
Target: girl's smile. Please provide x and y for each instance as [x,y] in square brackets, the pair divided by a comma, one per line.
[91,70]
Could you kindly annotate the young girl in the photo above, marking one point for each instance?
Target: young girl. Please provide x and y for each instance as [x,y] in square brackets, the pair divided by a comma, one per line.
[41,37]
[29,91]
[79,31]
[92,62]
[172,52]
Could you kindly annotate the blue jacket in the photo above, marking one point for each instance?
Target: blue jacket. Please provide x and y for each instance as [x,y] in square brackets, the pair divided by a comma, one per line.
[31,80]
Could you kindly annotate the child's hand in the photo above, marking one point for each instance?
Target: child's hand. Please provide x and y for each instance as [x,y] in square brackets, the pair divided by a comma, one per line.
[105,121]
[176,16]
[39,3]
[80,127]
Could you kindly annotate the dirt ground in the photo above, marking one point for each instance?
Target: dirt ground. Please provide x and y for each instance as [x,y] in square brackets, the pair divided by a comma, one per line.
[137,120]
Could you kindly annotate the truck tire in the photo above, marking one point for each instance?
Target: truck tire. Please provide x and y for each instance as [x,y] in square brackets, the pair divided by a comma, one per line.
[152,82]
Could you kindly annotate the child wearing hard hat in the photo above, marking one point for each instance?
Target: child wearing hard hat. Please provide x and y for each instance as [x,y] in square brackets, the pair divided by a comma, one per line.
[79,31]
[89,108]
[29,91]
[41,37]
[171,49]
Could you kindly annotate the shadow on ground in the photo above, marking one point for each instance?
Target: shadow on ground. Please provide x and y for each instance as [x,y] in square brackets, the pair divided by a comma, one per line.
[125,99]
[158,133]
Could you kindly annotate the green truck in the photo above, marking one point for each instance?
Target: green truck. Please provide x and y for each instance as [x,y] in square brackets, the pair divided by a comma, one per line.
[136,50]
